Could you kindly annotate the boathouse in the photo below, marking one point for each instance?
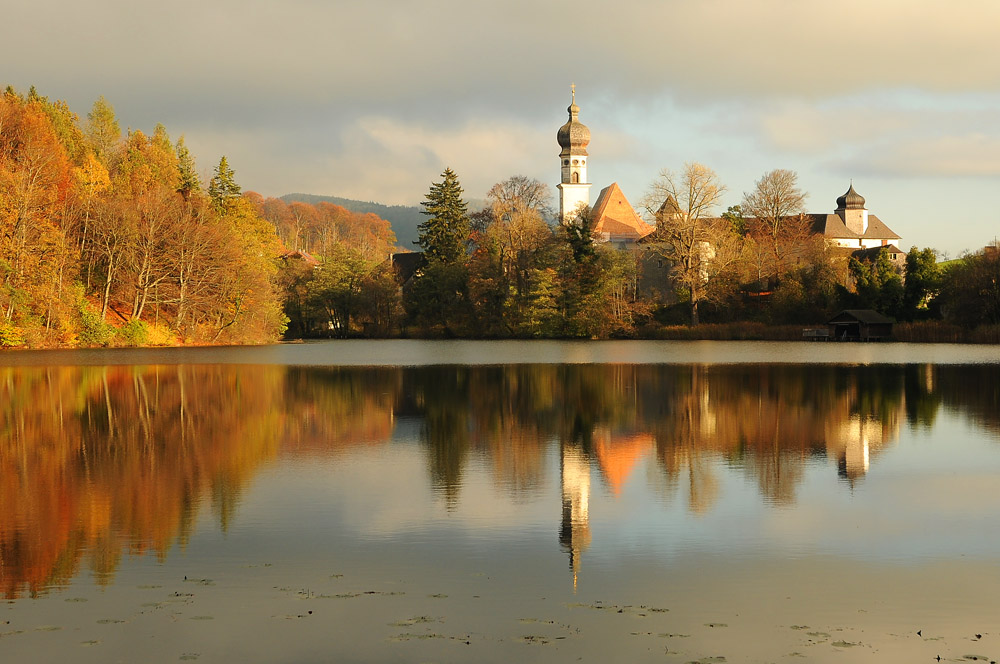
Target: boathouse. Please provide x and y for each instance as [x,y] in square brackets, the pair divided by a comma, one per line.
[860,325]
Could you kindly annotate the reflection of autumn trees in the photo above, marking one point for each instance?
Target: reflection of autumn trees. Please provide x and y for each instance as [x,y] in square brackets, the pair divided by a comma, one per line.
[96,461]
[767,420]
[973,390]
[102,460]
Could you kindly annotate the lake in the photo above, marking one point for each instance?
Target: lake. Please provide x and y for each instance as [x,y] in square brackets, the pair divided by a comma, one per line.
[465,501]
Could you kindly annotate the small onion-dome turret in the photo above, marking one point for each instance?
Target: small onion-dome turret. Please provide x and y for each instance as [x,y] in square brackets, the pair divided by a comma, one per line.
[573,136]
[851,200]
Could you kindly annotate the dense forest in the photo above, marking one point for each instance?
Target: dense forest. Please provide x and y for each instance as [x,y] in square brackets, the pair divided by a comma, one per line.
[111,238]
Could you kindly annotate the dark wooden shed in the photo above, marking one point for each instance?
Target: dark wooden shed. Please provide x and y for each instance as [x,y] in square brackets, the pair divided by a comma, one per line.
[860,325]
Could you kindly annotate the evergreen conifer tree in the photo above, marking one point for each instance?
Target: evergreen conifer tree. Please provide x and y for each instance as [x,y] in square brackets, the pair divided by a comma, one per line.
[222,187]
[188,181]
[443,236]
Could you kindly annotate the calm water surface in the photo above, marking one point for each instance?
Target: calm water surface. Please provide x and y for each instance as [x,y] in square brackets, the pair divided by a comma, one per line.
[501,501]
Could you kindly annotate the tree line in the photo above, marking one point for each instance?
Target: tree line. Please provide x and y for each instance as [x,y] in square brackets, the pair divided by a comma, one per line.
[510,270]
[111,238]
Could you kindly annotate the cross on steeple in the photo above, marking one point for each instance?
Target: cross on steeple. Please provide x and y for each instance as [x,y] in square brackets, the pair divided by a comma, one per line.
[572,87]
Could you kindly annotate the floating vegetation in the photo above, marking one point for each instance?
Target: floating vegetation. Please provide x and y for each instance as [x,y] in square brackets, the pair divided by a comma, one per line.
[48,628]
[627,608]
[422,637]
[417,620]
[202,617]
[148,587]
[394,593]
[535,640]
[87,644]
[75,599]
[109,621]
[714,624]
[844,644]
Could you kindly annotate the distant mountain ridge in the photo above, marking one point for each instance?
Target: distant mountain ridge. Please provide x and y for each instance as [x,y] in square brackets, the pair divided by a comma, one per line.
[404,219]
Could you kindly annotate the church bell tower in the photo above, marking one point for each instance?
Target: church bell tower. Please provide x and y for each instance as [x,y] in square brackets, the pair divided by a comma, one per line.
[574,187]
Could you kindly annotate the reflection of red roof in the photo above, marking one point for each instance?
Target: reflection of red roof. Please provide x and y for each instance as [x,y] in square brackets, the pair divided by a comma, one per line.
[614,215]
[617,455]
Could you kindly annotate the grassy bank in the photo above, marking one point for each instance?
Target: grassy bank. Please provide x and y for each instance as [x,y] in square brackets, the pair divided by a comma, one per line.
[935,331]
[747,331]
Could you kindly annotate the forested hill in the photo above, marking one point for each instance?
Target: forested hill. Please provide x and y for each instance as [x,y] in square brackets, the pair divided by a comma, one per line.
[403,218]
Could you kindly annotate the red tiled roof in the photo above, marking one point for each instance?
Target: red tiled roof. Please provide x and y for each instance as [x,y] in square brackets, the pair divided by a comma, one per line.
[614,215]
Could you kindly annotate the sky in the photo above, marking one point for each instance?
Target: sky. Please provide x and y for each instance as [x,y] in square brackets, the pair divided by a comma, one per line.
[372,99]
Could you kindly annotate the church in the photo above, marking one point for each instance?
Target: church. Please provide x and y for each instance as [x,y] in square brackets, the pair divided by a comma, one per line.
[850,227]
[615,220]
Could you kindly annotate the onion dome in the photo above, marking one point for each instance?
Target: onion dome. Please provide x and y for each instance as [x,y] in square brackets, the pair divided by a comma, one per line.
[573,136]
[851,200]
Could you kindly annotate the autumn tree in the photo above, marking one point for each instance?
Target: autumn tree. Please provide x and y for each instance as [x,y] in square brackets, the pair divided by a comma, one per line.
[510,244]
[775,209]
[102,130]
[35,180]
[701,249]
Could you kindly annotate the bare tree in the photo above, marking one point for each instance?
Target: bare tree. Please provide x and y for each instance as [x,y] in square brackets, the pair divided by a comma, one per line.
[700,248]
[775,208]
[519,194]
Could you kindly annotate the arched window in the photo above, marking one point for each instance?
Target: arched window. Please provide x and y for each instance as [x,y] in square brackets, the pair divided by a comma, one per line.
[576,178]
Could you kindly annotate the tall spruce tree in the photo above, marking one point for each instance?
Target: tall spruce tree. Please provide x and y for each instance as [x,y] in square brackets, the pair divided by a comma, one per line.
[443,236]
[222,187]
[188,181]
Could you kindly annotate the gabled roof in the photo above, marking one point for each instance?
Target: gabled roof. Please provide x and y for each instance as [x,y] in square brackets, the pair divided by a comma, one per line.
[873,252]
[614,215]
[669,207]
[832,226]
[869,316]
[300,255]
[878,229]
[406,264]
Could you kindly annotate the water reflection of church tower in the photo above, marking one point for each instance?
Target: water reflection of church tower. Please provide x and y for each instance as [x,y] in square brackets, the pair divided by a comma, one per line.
[855,439]
[574,532]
